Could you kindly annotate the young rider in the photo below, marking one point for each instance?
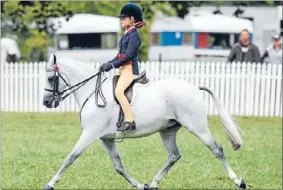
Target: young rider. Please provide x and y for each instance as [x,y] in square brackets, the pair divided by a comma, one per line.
[131,18]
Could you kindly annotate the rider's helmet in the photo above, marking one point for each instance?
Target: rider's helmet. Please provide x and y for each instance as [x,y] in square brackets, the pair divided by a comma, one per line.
[133,10]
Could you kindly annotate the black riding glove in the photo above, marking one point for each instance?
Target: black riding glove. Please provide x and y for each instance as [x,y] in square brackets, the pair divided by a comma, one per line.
[105,67]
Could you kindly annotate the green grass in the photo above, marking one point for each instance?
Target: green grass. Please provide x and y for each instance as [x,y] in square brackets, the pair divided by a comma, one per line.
[34,146]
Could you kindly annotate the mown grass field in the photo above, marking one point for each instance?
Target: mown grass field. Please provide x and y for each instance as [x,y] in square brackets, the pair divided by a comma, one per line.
[34,146]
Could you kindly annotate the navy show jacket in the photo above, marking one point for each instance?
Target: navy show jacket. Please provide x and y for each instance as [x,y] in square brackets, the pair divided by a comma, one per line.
[129,46]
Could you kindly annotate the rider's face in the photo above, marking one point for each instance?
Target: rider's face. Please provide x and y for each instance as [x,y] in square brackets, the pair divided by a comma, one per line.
[126,22]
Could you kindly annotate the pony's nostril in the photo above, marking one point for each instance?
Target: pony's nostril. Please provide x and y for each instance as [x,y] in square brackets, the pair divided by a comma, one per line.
[45,102]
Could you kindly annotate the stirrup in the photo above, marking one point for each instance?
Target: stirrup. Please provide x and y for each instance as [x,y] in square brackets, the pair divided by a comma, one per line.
[125,126]
[129,125]
[120,126]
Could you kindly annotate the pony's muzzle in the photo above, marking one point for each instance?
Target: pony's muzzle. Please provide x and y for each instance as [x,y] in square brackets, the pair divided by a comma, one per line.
[50,103]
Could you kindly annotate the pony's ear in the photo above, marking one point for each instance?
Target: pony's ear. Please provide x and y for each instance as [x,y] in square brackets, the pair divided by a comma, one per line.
[55,59]
[52,59]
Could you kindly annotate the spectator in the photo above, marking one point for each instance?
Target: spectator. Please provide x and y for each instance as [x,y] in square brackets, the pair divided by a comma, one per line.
[244,50]
[273,54]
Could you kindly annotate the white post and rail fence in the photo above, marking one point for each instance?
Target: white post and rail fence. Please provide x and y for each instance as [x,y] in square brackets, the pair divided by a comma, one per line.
[245,89]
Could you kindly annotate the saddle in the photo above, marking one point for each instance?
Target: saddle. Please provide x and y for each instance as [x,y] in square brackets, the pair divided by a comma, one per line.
[142,79]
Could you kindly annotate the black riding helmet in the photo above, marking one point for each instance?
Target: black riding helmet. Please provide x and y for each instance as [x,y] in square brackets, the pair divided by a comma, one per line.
[133,10]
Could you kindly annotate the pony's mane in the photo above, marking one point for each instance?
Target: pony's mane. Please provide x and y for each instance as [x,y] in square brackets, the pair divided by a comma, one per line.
[78,65]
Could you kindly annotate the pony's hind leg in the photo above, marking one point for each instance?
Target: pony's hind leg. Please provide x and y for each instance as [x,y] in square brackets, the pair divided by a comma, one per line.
[169,140]
[217,150]
[198,125]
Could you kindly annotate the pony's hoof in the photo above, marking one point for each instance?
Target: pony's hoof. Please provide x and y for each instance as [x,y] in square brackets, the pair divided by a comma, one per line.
[145,187]
[48,187]
[243,184]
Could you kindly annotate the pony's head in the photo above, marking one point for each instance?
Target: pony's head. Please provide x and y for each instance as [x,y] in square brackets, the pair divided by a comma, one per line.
[54,85]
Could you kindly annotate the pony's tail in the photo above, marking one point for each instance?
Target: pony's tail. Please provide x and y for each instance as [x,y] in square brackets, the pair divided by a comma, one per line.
[231,128]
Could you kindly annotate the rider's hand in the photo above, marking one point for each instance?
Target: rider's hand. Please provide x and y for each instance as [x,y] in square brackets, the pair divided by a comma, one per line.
[105,67]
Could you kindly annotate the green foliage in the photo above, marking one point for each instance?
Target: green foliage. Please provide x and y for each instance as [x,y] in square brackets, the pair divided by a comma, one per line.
[269,2]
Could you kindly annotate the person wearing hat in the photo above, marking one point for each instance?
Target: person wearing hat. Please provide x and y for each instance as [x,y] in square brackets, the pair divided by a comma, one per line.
[131,18]
[273,54]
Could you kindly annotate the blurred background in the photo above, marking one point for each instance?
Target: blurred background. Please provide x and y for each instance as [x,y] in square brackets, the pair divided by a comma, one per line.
[176,30]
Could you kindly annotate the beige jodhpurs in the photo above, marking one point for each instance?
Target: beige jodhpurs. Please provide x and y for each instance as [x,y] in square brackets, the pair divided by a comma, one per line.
[125,79]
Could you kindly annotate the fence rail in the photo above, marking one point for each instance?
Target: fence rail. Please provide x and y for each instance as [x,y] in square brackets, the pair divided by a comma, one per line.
[245,89]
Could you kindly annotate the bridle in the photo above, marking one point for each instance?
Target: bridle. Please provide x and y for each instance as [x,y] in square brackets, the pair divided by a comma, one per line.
[55,81]
[57,95]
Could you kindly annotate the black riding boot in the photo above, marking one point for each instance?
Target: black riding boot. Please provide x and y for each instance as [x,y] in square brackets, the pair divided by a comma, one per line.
[129,125]
[126,126]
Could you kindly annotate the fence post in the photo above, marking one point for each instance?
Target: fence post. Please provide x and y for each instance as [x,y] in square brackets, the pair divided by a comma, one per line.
[2,89]
[41,71]
[18,80]
[262,88]
[12,87]
[26,87]
[243,89]
[267,91]
[30,89]
[278,109]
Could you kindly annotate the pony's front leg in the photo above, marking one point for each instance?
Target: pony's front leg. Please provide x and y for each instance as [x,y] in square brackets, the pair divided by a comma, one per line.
[86,139]
[114,155]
